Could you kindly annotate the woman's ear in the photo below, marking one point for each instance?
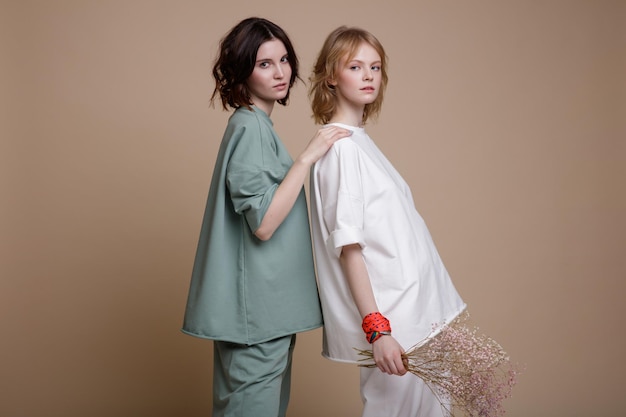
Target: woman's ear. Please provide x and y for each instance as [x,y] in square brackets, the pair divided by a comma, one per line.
[331,83]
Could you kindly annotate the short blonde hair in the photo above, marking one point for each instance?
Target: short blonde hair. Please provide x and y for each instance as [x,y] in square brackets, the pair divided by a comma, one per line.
[341,43]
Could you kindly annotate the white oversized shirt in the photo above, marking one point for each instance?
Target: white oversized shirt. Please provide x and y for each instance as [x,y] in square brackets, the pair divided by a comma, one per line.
[357,196]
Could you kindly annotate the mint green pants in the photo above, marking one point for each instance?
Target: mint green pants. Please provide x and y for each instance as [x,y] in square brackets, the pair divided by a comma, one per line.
[252,381]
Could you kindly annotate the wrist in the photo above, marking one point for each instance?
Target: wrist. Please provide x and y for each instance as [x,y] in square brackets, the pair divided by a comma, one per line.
[375,325]
[304,160]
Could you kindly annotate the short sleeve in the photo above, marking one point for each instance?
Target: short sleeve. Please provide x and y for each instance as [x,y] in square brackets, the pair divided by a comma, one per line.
[341,193]
[253,174]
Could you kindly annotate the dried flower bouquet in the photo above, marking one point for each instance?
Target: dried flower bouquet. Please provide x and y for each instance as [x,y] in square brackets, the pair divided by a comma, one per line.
[469,373]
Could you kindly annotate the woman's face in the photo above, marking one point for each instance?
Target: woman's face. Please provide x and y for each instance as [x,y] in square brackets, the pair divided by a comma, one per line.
[358,80]
[270,77]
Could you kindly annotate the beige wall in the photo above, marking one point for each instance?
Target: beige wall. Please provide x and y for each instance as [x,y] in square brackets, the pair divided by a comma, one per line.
[506,118]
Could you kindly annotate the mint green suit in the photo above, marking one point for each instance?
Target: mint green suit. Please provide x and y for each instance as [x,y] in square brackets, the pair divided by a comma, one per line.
[244,290]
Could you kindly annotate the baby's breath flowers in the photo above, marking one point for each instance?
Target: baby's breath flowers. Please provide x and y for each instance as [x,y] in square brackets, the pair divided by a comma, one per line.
[469,373]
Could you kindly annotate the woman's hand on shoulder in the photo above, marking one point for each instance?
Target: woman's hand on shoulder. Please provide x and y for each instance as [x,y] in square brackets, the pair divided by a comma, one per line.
[388,356]
[321,143]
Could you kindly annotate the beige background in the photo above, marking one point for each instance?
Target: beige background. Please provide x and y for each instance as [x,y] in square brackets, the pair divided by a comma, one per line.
[506,118]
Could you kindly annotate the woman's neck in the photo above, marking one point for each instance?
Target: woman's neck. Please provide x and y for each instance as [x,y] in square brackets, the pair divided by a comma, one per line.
[266,106]
[350,117]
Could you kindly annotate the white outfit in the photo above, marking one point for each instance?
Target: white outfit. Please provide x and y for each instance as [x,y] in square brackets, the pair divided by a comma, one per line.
[386,395]
[357,196]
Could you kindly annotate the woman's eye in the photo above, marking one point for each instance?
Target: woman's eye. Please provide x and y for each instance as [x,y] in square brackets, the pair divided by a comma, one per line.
[284,59]
[376,68]
[264,64]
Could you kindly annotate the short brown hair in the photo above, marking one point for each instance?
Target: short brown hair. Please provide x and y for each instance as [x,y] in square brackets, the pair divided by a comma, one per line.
[237,57]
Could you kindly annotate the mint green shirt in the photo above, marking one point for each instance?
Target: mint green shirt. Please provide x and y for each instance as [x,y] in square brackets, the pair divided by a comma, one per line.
[245,290]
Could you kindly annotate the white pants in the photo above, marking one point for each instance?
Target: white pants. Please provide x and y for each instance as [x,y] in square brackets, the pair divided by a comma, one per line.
[386,395]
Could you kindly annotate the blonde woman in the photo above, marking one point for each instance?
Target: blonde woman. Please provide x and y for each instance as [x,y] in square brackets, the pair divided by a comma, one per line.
[382,283]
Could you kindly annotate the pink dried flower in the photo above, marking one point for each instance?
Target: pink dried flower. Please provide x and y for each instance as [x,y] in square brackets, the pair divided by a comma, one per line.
[470,374]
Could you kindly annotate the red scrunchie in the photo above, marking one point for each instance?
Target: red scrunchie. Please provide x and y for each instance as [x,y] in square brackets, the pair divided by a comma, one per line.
[375,325]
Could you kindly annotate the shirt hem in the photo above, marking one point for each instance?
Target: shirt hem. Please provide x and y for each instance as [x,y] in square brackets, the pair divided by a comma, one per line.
[249,342]
[430,336]
[348,361]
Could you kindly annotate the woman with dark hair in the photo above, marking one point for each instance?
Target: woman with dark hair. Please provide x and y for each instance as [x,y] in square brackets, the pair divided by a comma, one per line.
[253,281]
